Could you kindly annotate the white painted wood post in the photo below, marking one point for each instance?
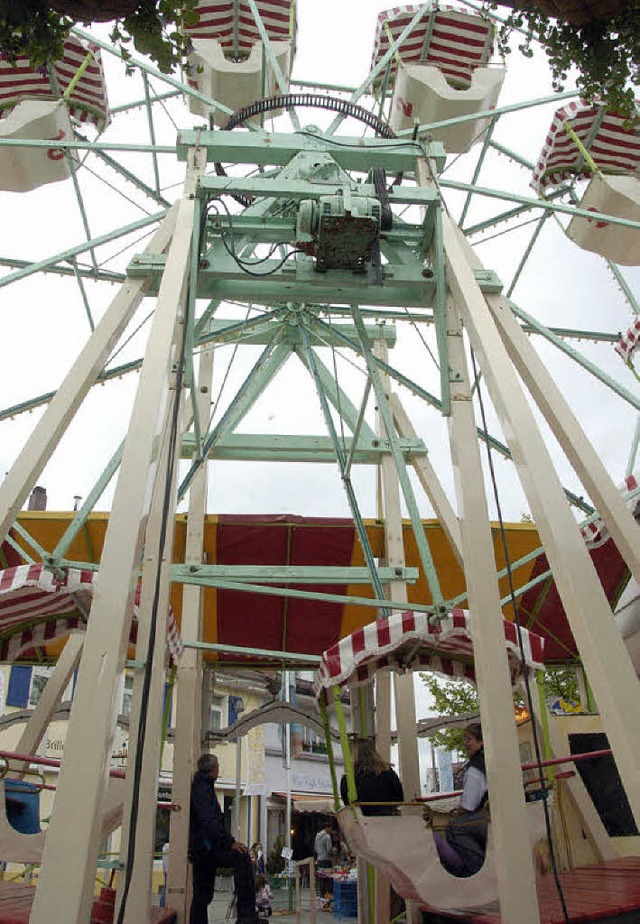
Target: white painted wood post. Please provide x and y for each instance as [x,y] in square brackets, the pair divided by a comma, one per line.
[404,693]
[586,462]
[601,647]
[429,481]
[188,724]
[395,558]
[514,862]
[65,886]
[154,605]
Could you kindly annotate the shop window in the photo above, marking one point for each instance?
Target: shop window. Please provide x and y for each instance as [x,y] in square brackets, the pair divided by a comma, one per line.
[38,683]
[127,695]
[215,713]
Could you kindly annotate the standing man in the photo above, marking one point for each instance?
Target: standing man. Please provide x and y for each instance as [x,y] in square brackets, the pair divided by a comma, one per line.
[323,847]
[212,847]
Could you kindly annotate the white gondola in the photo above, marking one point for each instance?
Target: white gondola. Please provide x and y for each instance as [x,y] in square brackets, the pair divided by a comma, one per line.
[422,94]
[586,142]
[229,62]
[610,195]
[234,83]
[441,72]
[30,109]
[23,169]
[405,851]
[402,847]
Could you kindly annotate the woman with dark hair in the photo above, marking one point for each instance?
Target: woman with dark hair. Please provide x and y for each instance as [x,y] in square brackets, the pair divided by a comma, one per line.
[463,848]
[376,780]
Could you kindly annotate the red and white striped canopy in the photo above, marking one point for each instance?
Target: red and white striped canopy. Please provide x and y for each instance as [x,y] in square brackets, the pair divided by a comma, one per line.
[405,641]
[629,341]
[88,103]
[596,534]
[615,149]
[460,41]
[36,608]
[217,21]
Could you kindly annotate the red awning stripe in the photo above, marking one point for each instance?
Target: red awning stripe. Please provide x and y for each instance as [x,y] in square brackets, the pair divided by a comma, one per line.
[460,41]
[405,641]
[89,101]
[596,534]
[217,21]
[614,148]
[629,341]
[30,593]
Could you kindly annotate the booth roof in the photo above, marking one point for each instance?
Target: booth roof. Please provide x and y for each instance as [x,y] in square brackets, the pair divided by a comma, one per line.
[309,626]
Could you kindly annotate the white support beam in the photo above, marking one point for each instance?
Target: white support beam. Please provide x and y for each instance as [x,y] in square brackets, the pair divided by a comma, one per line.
[395,558]
[65,885]
[588,466]
[153,612]
[429,480]
[404,693]
[601,647]
[47,433]
[186,746]
[514,862]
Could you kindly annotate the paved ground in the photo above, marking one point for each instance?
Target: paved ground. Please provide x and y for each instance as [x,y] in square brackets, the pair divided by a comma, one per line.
[282,911]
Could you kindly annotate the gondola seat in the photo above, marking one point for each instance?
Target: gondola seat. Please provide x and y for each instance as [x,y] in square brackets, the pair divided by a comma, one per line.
[233,83]
[611,195]
[23,169]
[403,848]
[422,93]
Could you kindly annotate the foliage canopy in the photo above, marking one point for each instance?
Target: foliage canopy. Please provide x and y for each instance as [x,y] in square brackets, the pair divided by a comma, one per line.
[37,29]
[605,52]
[458,697]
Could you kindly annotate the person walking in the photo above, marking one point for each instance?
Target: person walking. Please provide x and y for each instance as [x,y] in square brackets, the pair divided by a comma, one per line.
[211,847]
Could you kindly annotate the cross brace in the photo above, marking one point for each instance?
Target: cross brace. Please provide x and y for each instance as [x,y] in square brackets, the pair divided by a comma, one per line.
[290,448]
[350,153]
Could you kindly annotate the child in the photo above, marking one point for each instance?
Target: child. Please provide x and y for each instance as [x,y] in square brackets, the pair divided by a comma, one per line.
[264,896]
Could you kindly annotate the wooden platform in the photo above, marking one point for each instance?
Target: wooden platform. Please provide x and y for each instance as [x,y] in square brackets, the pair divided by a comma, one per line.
[608,893]
[16,899]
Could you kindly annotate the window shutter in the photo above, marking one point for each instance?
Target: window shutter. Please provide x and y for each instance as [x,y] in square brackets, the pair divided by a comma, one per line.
[19,685]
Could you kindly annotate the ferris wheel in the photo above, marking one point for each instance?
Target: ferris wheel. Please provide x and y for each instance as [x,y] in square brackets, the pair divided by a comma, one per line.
[389,277]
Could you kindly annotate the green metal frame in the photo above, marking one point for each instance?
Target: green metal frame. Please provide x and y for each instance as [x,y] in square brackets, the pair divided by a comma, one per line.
[304,309]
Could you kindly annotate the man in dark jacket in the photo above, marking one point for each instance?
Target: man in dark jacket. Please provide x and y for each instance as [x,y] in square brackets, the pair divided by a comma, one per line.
[212,847]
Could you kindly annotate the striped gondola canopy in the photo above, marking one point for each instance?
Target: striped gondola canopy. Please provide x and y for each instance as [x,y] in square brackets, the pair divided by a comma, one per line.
[37,609]
[455,41]
[230,22]
[614,147]
[88,102]
[405,641]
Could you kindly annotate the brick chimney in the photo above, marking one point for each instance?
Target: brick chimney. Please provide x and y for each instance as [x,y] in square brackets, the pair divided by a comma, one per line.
[38,499]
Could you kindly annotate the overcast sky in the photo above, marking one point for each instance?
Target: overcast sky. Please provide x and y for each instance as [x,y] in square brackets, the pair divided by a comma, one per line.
[45,323]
